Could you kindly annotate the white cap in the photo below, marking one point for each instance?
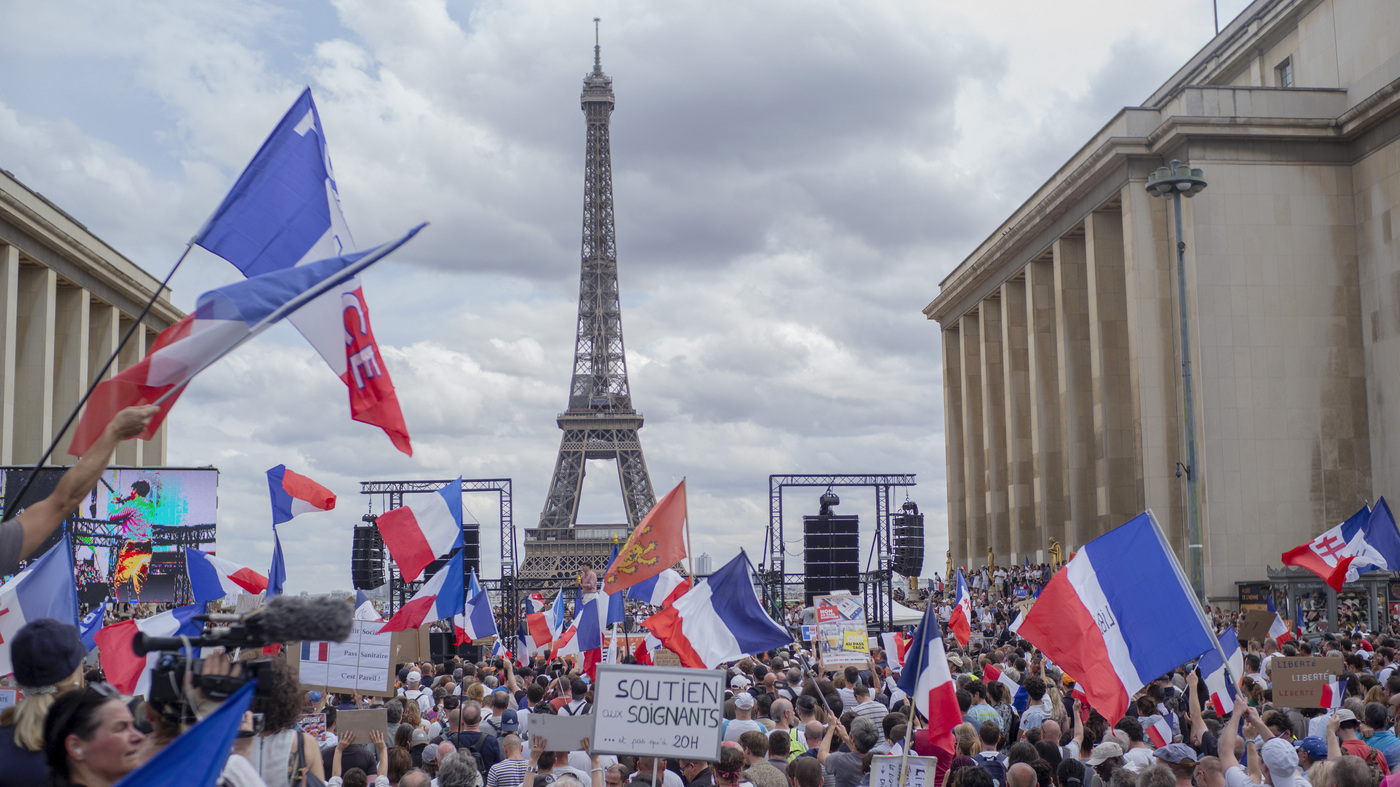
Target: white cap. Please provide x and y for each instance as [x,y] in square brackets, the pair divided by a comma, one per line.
[414,677]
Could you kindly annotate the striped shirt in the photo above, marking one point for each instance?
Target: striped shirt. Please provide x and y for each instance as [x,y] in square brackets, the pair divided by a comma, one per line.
[507,773]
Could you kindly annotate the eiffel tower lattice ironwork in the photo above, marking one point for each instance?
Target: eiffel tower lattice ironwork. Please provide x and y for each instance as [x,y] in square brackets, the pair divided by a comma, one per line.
[600,422]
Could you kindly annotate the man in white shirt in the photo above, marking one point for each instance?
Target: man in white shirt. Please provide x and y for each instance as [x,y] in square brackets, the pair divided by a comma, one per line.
[414,691]
[743,711]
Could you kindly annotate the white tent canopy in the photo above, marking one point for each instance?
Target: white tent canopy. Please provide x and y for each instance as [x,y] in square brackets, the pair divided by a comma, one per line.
[902,615]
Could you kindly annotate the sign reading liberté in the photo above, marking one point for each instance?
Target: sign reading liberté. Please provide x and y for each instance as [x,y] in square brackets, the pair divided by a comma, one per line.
[1298,682]
[658,711]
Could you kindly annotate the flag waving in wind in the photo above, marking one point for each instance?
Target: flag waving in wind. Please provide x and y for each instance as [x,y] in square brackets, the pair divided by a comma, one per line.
[223,320]
[284,211]
[44,589]
[213,578]
[718,620]
[960,619]
[293,493]
[657,544]
[925,678]
[1331,554]
[477,621]
[426,527]
[441,598]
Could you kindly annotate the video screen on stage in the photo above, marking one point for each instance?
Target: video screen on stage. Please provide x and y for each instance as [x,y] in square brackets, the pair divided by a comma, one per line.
[130,541]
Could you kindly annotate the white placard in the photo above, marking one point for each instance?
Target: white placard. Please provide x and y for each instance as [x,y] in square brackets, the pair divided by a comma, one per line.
[884,771]
[657,711]
[361,662]
[7,698]
[562,733]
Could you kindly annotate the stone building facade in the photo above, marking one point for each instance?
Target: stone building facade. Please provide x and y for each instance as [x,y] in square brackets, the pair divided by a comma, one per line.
[1060,335]
[66,299]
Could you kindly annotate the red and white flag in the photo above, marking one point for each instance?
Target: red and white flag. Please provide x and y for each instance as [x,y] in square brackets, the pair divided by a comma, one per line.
[1160,733]
[1331,554]
[896,644]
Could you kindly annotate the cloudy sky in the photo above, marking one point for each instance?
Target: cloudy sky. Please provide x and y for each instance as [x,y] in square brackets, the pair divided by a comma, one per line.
[793,178]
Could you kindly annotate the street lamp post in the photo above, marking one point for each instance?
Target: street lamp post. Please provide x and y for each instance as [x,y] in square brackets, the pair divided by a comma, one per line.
[1178,180]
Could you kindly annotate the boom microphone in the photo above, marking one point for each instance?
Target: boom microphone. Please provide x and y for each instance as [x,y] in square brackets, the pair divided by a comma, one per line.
[284,619]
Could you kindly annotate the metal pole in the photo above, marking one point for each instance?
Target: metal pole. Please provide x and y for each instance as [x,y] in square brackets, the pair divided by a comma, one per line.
[1194,551]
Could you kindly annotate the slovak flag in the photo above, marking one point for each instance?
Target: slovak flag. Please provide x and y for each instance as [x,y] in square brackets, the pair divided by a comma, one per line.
[294,493]
[44,589]
[1091,622]
[213,578]
[223,320]
[927,681]
[477,621]
[960,620]
[429,525]
[441,598]
[284,211]
[1334,692]
[1331,554]
[990,673]
[657,590]
[718,620]
[1160,733]
[1221,676]
[128,672]
[896,644]
[1279,631]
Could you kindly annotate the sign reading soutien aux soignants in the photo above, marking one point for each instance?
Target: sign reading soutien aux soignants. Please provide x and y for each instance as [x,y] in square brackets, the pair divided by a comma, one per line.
[658,711]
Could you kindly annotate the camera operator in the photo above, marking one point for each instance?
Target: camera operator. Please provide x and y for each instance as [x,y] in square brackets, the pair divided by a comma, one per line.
[48,661]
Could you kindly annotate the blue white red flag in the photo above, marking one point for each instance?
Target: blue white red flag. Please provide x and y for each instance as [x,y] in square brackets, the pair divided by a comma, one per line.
[925,678]
[1278,630]
[442,597]
[590,623]
[1159,732]
[896,644]
[1382,542]
[293,494]
[992,673]
[960,619]
[92,623]
[718,620]
[478,621]
[566,644]
[1221,676]
[364,608]
[223,320]
[1334,692]
[1090,619]
[196,758]
[657,590]
[44,589]
[500,651]
[534,603]
[277,572]
[428,526]
[283,211]
[128,672]
[1331,555]
[213,578]
[557,616]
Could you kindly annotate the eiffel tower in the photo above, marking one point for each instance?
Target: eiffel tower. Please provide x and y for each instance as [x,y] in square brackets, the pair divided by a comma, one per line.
[600,422]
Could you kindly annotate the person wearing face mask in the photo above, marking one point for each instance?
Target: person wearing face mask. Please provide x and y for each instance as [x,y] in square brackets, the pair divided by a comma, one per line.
[90,739]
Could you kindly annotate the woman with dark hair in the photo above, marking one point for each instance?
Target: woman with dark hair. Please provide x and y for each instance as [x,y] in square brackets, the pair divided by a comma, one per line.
[283,755]
[1070,773]
[730,768]
[89,739]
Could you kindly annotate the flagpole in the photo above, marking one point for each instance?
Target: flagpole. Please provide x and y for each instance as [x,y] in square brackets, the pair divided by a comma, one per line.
[913,701]
[96,380]
[689,562]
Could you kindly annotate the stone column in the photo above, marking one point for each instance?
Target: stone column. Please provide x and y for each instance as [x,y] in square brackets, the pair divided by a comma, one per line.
[1050,503]
[974,465]
[994,430]
[104,331]
[1117,468]
[34,363]
[1020,501]
[70,374]
[9,333]
[153,450]
[1076,389]
[953,448]
[129,451]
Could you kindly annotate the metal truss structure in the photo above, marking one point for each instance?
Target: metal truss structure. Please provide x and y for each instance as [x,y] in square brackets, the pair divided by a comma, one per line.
[880,577]
[600,422]
[390,496]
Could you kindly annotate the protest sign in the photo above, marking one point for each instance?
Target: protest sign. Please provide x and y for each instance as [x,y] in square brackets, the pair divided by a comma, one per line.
[1298,682]
[315,724]
[839,618]
[361,722]
[361,663]
[7,698]
[410,645]
[809,633]
[1254,625]
[657,711]
[564,733]
[663,657]
[884,771]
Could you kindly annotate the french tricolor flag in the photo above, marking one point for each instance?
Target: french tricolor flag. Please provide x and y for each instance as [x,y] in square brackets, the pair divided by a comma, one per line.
[927,681]
[534,603]
[1279,631]
[441,598]
[1160,733]
[500,651]
[990,672]
[1334,692]
[294,493]
[44,589]
[316,651]
[1091,620]
[896,644]
[128,672]
[213,578]
[1222,675]
[657,590]
[718,620]
[428,526]
[477,621]
[960,620]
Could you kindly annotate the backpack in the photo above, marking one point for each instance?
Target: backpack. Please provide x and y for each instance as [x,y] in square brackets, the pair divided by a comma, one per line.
[567,709]
[475,748]
[994,768]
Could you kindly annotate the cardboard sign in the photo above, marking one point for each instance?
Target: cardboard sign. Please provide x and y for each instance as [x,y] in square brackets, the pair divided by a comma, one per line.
[563,733]
[657,712]
[839,617]
[885,768]
[362,723]
[411,645]
[1299,682]
[7,698]
[1254,625]
[361,663]
[663,657]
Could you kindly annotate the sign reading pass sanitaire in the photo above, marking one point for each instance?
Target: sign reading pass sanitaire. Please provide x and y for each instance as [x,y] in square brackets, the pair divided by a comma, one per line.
[658,711]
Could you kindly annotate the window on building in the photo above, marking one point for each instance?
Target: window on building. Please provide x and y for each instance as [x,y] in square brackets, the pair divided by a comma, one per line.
[1284,72]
